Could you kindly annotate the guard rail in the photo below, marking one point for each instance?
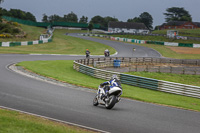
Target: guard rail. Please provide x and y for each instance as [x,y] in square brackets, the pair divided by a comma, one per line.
[85,66]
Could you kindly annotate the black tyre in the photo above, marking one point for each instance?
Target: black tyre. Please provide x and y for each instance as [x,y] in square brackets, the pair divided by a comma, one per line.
[95,101]
[111,102]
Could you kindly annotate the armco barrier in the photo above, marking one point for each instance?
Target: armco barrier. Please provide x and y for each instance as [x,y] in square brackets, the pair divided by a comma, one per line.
[147,42]
[158,85]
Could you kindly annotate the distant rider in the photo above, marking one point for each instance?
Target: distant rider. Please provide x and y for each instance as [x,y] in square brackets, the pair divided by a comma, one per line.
[87,52]
[107,53]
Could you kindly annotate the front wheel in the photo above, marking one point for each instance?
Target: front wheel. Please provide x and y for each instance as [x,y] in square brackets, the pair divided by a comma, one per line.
[110,103]
[95,101]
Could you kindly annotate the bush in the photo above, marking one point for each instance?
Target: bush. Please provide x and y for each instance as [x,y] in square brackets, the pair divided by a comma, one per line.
[15,24]
[2,36]
[16,30]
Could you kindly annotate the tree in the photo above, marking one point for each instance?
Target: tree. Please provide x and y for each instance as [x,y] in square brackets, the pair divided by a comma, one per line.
[71,17]
[135,19]
[30,16]
[1,11]
[55,17]
[17,13]
[147,19]
[83,19]
[177,14]
[45,18]
[109,19]
[98,20]
[90,26]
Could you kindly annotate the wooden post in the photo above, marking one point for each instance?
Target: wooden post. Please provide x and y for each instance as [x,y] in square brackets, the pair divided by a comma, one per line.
[170,69]
[183,70]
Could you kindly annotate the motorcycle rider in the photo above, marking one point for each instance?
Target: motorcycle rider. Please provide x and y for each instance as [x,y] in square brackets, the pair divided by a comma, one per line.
[114,81]
[107,53]
[87,52]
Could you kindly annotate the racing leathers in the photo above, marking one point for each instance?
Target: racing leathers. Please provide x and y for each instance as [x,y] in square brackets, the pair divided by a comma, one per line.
[110,84]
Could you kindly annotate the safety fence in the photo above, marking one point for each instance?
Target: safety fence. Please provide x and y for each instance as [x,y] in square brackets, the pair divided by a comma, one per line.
[146,41]
[85,66]
[164,65]
[25,43]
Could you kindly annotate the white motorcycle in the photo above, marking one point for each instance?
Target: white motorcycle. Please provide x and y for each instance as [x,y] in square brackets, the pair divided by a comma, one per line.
[109,99]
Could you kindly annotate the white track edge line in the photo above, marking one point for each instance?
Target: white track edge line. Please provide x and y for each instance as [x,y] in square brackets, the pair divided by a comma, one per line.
[53,119]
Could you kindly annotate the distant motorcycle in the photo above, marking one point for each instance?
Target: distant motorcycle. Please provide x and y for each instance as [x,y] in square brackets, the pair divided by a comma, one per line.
[87,55]
[107,54]
[109,99]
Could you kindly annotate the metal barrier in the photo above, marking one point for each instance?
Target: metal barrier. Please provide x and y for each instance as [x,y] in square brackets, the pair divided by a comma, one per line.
[148,83]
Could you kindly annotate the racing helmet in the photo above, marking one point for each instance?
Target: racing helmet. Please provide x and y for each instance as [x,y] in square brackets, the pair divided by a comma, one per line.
[114,77]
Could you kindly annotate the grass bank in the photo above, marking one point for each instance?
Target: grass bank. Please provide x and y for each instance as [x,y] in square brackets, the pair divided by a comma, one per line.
[15,122]
[62,44]
[63,70]
[33,33]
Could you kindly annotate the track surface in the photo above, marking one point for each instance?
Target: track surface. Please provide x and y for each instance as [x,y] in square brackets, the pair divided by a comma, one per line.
[72,105]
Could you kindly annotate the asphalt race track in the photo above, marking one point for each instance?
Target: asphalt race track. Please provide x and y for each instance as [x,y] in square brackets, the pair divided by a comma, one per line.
[75,106]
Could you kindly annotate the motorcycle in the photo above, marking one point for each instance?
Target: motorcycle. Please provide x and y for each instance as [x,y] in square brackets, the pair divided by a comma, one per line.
[107,54]
[109,98]
[87,55]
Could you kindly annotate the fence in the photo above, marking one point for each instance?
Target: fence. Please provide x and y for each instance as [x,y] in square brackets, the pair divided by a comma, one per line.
[84,66]
[178,66]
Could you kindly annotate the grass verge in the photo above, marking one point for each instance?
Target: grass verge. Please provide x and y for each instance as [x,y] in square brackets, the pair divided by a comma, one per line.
[62,44]
[63,70]
[33,33]
[15,122]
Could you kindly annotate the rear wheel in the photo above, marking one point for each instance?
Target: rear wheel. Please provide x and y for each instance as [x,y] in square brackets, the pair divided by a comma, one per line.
[95,101]
[110,103]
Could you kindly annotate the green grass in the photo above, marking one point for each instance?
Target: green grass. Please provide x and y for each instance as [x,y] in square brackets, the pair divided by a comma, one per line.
[183,32]
[156,38]
[178,78]
[63,70]
[62,44]
[33,33]
[165,51]
[15,122]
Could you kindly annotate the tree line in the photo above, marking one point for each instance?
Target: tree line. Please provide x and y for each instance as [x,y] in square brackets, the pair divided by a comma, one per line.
[17,13]
[172,14]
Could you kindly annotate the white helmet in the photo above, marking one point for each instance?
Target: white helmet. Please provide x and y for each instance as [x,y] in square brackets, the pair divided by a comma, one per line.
[114,77]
